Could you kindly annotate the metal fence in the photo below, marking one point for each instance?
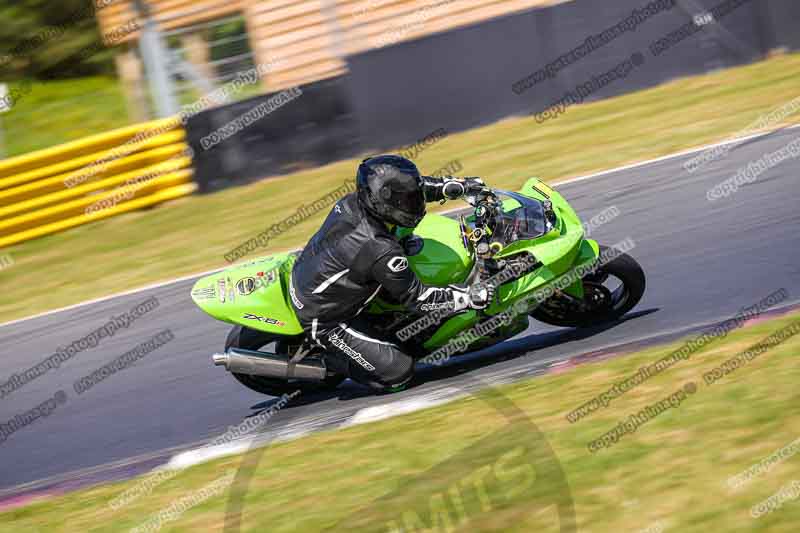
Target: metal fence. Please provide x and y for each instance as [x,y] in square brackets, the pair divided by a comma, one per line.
[206,55]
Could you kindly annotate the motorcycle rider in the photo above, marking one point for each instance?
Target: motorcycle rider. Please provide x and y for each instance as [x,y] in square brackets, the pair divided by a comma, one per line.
[355,255]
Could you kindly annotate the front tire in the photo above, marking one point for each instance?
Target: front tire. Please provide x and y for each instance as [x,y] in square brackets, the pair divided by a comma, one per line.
[601,303]
[250,339]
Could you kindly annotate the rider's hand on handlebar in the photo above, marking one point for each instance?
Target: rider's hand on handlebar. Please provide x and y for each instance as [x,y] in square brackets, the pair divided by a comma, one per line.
[474,185]
[481,295]
[455,188]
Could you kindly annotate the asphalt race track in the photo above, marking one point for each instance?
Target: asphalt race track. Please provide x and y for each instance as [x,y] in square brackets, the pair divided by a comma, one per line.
[704,261]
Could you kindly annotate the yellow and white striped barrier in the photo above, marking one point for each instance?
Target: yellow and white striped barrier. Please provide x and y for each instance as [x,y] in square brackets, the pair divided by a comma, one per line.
[93,178]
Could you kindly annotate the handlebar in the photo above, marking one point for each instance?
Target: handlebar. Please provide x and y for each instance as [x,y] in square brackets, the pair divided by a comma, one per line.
[486,204]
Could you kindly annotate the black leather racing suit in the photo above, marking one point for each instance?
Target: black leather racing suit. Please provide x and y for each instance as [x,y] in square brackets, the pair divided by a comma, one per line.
[343,267]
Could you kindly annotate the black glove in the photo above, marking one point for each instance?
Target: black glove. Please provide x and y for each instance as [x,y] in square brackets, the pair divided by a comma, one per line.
[477,296]
[481,295]
[474,185]
[455,188]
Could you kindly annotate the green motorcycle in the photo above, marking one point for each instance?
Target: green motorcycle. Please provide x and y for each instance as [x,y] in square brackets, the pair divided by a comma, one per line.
[529,244]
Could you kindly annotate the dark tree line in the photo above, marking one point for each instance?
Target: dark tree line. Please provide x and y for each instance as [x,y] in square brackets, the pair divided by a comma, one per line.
[46,39]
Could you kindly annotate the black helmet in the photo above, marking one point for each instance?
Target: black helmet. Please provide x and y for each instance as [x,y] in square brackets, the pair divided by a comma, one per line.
[391,188]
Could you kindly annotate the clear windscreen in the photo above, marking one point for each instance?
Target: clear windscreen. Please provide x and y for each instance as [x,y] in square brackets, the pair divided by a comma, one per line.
[522,218]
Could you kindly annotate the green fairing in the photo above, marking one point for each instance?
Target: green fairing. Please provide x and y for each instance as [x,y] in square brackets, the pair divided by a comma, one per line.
[269,300]
[560,251]
[444,260]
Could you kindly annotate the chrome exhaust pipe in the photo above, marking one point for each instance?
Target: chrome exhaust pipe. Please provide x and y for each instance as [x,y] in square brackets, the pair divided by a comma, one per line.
[255,363]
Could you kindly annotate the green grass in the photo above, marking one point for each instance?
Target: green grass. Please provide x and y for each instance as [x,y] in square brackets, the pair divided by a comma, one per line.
[672,471]
[193,234]
[56,112]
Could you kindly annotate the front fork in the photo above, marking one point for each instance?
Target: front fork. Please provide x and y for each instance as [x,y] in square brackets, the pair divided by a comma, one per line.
[575,292]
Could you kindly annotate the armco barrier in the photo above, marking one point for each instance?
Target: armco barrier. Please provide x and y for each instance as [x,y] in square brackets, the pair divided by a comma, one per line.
[93,178]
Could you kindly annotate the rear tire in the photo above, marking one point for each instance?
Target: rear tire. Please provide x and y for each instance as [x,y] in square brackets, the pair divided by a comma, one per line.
[626,269]
[250,339]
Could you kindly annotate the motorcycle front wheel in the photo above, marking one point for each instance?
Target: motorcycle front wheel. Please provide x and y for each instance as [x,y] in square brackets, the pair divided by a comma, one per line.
[609,292]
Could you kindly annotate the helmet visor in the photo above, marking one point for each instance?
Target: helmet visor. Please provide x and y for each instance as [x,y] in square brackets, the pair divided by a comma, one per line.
[409,199]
